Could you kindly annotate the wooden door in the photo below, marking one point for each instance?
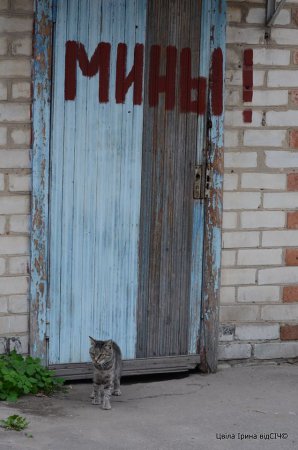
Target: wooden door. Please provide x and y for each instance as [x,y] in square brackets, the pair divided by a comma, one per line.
[124,142]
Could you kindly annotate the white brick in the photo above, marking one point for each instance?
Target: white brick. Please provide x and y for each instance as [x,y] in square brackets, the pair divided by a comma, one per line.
[3,305]
[234,351]
[251,35]
[3,135]
[14,24]
[254,180]
[22,46]
[15,68]
[236,239]
[281,200]
[2,184]
[230,181]
[14,205]
[18,265]
[18,304]
[24,341]
[269,98]
[3,46]
[13,285]
[3,90]
[231,138]
[281,159]
[227,295]
[259,257]
[15,159]
[23,5]
[241,200]
[257,15]
[21,136]
[258,294]
[228,258]
[21,90]
[282,238]
[19,182]
[241,159]
[264,138]
[2,266]
[235,77]
[232,97]
[276,350]
[282,78]
[12,112]
[239,313]
[19,224]
[238,276]
[263,219]
[229,220]
[282,118]
[2,224]
[14,324]
[233,14]
[14,245]
[280,313]
[284,36]
[282,275]
[256,332]
[271,57]
[235,119]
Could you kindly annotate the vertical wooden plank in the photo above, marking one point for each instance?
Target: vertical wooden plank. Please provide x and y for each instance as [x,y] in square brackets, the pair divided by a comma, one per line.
[169,153]
[212,238]
[40,168]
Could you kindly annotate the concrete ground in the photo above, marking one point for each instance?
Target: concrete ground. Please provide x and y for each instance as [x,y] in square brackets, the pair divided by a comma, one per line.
[178,413]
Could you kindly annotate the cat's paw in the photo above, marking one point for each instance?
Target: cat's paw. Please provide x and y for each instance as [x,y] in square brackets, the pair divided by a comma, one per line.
[91,395]
[116,392]
[106,404]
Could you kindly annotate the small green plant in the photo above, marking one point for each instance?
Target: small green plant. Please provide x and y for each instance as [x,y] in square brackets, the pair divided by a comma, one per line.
[21,375]
[14,422]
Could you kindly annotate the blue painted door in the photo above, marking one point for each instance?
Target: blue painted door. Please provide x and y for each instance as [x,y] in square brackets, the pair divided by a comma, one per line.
[116,175]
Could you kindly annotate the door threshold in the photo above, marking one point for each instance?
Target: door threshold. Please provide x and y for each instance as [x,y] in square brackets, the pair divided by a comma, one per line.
[139,366]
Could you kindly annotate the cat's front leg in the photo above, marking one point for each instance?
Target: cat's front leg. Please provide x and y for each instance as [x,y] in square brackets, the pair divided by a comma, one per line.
[96,400]
[116,390]
[106,397]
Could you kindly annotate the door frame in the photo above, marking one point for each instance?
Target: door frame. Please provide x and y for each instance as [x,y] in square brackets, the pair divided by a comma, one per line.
[213,32]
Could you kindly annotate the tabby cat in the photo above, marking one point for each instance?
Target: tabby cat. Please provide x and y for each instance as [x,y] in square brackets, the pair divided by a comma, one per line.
[107,362]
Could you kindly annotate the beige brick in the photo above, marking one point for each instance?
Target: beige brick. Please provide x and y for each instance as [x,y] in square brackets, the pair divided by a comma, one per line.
[259,257]
[3,46]
[247,332]
[227,295]
[236,239]
[14,324]
[271,57]
[263,219]
[281,200]
[14,245]
[241,159]
[18,265]
[229,220]
[254,180]
[251,35]
[18,304]
[19,224]
[13,285]
[238,276]
[231,138]
[282,238]
[234,351]
[15,68]
[241,200]
[239,313]
[232,97]
[3,90]
[18,182]
[276,350]
[233,14]
[265,138]
[228,258]
[21,136]
[22,46]
[21,90]
[14,204]
[15,159]
[278,159]
[14,24]
[12,112]
[258,294]
[278,275]
[22,5]
[2,182]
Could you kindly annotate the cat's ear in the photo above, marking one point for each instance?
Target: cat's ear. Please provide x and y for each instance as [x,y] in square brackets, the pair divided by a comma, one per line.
[110,342]
[92,341]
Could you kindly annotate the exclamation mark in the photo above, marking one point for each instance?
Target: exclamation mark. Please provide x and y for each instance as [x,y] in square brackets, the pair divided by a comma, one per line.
[247,79]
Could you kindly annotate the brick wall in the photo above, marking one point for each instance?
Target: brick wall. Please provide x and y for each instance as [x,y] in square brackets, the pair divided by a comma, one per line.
[15,136]
[259,294]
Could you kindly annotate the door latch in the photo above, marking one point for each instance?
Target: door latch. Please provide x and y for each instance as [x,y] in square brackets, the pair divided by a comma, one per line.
[197,186]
